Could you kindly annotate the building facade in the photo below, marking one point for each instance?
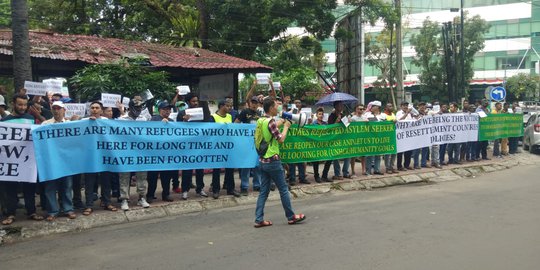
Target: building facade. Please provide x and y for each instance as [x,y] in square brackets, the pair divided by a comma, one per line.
[512,44]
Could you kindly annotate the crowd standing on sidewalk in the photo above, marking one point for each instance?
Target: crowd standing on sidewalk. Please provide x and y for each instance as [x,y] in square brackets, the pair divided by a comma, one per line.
[63,197]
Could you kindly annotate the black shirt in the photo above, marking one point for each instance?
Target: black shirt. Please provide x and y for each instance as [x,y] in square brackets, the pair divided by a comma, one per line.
[248,116]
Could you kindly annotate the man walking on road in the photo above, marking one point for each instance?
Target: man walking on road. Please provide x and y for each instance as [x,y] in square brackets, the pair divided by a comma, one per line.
[271,167]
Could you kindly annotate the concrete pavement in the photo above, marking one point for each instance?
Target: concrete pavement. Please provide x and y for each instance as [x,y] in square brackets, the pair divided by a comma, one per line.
[24,229]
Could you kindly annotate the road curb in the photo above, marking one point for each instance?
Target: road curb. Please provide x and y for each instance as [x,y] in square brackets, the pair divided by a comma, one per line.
[28,230]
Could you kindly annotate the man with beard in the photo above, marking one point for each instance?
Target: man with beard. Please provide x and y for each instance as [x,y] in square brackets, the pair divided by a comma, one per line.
[19,115]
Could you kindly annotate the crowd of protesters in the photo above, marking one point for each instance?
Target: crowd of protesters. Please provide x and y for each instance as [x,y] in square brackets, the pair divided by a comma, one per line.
[64,196]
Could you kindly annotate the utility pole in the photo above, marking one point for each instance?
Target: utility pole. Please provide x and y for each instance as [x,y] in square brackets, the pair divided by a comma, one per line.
[462,51]
[448,57]
[399,56]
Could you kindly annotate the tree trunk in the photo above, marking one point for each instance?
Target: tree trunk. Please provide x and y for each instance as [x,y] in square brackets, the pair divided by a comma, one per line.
[22,65]
[203,22]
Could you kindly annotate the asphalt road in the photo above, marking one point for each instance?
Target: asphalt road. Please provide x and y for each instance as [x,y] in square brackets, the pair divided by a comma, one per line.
[489,222]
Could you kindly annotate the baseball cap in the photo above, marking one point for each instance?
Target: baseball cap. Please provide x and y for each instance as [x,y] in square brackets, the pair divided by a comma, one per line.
[2,101]
[376,103]
[164,105]
[255,99]
[59,104]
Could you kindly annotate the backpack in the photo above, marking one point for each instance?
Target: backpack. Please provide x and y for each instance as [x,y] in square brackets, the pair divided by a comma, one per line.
[261,145]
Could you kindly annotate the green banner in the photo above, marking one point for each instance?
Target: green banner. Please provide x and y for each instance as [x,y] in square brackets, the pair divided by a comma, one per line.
[328,142]
[496,126]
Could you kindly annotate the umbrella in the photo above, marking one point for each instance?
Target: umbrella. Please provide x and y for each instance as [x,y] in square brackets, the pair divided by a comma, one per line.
[336,96]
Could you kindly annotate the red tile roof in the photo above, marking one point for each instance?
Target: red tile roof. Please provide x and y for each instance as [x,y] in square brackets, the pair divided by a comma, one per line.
[96,50]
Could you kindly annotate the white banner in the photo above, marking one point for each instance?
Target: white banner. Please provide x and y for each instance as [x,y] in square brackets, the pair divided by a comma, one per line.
[35,88]
[75,109]
[17,162]
[437,129]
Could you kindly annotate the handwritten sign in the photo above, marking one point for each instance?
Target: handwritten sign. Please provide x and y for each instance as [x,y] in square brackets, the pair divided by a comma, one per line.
[109,100]
[75,109]
[35,88]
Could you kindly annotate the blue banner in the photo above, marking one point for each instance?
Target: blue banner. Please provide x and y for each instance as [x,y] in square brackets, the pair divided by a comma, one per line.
[88,146]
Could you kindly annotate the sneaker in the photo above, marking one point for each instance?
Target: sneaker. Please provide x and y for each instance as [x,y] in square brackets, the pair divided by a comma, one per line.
[142,202]
[244,192]
[177,190]
[184,195]
[256,189]
[202,194]
[125,205]
[215,195]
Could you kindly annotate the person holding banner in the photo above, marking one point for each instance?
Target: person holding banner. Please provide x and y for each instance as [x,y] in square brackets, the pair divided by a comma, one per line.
[164,109]
[192,101]
[404,159]
[390,159]
[334,118]
[481,146]
[250,115]
[499,145]
[358,117]
[513,142]
[454,148]
[223,116]
[19,115]
[319,120]
[374,115]
[417,161]
[62,185]
[271,167]
[136,106]
[91,179]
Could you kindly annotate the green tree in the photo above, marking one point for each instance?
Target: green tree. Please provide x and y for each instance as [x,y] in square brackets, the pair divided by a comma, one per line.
[523,86]
[234,27]
[123,78]
[5,17]
[429,54]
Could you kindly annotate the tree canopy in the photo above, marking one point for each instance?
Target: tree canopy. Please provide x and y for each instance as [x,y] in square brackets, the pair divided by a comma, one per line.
[236,28]
[429,48]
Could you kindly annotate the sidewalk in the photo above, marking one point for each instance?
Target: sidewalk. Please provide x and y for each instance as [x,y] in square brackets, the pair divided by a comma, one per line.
[24,229]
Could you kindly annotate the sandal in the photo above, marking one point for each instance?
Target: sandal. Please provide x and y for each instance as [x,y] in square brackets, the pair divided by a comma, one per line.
[8,221]
[263,223]
[87,211]
[296,219]
[71,215]
[110,208]
[50,218]
[35,217]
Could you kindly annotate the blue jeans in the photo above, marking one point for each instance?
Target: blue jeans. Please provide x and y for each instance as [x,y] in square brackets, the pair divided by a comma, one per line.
[301,172]
[244,177]
[417,161]
[273,171]
[346,165]
[375,161]
[65,192]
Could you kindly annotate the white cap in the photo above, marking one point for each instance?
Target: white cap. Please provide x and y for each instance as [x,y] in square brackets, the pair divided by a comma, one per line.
[2,101]
[376,103]
[59,104]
